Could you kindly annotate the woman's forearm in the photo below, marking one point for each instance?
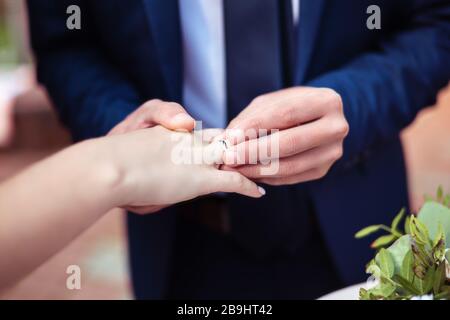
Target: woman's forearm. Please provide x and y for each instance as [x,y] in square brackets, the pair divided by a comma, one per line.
[51,203]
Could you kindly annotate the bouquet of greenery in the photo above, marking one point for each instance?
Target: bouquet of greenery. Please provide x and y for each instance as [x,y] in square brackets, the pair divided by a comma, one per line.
[412,263]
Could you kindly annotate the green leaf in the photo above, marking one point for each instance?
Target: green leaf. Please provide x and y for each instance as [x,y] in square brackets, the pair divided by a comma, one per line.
[367,231]
[383,290]
[397,219]
[383,241]
[422,259]
[363,294]
[387,289]
[407,222]
[428,280]
[406,285]
[439,194]
[439,278]
[446,201]
[407,266]
[438,249]
[385,262]
[418,284]
[419,270]
[419,231]
[398,251]
[432,214]
[439,235]
[374,270]
[444,295]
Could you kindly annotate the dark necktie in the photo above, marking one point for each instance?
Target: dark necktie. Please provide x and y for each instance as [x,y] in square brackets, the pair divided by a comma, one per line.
[256,64]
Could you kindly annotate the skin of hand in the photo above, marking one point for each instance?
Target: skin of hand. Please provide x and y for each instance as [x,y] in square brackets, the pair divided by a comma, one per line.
[154,179]
[49,204]
[312,128]
[156,112]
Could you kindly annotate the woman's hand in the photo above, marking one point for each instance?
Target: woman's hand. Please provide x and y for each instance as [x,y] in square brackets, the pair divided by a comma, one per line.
[156,167]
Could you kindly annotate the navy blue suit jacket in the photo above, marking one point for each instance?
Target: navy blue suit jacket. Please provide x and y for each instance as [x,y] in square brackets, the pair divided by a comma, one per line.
[130,51]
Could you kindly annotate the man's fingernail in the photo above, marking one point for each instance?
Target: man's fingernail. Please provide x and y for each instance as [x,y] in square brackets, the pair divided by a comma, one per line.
[262,190]
[182,118]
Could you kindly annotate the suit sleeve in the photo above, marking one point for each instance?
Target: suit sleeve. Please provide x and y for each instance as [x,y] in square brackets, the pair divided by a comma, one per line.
[383,91]
[91,97]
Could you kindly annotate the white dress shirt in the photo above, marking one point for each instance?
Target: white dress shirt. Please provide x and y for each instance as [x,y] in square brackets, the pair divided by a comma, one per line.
[204,83]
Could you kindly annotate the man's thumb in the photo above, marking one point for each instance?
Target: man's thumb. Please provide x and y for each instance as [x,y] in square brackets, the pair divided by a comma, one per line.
[182,121]
[173,116]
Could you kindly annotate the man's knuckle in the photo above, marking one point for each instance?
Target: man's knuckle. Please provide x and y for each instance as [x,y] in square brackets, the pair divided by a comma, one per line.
[151,104]
[336,153]
[173,105]
[331,93]
[253,122]
[287,116]
[341,128]
[152,107]
[140,119]
[259,100]
[290,145]
[337,127]
[331,99]
[319,173]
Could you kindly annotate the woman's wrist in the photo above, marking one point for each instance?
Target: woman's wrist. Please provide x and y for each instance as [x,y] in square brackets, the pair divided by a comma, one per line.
[104,173]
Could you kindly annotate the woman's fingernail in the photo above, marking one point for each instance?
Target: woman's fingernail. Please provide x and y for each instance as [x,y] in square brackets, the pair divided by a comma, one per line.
[261,190]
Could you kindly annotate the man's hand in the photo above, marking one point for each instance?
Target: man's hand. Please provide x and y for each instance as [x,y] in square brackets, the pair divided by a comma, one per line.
[312,128]
[156,112]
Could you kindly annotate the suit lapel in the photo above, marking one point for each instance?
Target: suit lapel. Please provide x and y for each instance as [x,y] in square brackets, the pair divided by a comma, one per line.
[164,23]
[309,23]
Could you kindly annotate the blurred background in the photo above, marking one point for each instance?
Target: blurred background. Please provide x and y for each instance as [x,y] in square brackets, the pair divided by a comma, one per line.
[30,131]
